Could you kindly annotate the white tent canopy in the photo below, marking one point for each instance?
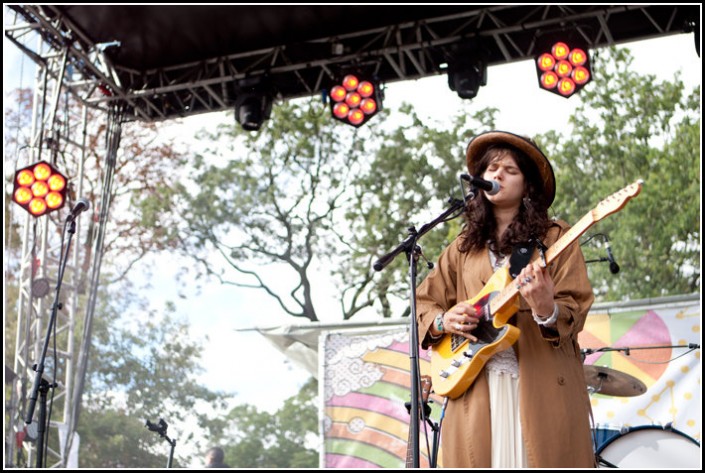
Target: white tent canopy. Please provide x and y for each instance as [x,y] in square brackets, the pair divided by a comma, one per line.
[300,342]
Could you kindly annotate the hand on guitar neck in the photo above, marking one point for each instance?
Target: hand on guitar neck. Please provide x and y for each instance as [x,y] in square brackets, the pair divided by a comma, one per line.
[537,288]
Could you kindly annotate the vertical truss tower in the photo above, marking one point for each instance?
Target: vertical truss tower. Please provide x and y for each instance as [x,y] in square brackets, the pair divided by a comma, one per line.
[58,135]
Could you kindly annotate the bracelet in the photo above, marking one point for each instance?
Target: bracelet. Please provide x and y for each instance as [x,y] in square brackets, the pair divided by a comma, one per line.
[439,322]
[549,320]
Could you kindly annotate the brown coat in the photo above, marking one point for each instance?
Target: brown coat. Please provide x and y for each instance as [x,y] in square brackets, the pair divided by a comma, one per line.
[554,402]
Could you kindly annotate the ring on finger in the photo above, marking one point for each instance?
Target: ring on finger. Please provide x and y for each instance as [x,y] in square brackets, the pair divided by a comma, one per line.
[527,280]
[458,326]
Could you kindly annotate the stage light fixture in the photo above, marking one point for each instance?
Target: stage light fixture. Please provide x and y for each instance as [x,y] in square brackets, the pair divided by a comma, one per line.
[253,104]
[354,100]
[565,69]
[466,74]
[39,188]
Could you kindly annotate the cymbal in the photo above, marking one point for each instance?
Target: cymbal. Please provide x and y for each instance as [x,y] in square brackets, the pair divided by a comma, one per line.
[611,382]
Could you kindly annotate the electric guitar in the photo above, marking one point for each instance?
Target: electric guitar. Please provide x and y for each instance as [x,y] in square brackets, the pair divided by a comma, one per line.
[456,361]
[425,392]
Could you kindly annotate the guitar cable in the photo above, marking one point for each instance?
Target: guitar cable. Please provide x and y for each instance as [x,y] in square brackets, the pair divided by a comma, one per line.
[443,412]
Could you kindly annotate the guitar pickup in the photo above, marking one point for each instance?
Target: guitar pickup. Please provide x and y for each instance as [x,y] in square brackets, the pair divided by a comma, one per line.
[444,374]
[456,363]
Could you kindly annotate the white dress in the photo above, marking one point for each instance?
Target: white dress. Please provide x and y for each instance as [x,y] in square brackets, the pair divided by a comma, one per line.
[503,377]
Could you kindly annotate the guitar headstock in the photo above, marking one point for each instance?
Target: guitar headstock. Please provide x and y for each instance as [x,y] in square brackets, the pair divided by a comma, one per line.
[616,201]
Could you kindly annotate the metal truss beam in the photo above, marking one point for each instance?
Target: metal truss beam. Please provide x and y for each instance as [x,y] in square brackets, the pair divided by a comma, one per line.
[404,51]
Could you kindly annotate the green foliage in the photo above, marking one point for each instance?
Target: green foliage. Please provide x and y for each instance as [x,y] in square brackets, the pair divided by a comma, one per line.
[142,367]
[267,199]
[114,438]
[631,127]
[307,191]
[133,368]
[258,439]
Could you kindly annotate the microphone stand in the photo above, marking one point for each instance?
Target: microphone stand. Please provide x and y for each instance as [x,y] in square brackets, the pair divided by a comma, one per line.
[40,384]
[628,350]
[413,251]
[160,428]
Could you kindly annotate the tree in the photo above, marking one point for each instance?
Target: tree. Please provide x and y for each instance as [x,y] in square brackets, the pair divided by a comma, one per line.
[143,367]
[307,192]
[285,439]
[631,127]
[136,361]
[269,204]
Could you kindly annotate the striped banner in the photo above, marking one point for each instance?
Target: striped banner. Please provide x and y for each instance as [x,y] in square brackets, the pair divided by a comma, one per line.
[365,385]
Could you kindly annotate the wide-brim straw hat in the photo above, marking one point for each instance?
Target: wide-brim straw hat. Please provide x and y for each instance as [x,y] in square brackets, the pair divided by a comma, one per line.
[479,144]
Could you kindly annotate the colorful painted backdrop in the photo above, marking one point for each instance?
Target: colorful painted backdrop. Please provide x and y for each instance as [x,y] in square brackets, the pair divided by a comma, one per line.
[365,383]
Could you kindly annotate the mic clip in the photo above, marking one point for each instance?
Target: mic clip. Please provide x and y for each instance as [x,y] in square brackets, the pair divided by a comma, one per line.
[160,428]
[472,190]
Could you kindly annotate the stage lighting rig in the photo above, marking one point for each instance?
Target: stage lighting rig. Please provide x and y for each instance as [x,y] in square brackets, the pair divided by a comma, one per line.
[39,188]
[355,98]
[253,104]
[563,67]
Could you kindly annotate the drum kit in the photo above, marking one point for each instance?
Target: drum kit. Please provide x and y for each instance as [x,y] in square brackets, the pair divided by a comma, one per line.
[647,446]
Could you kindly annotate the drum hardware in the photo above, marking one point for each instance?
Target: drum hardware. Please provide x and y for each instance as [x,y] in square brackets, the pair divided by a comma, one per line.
[611,382]
[647,446]
[589,351]
[602,433]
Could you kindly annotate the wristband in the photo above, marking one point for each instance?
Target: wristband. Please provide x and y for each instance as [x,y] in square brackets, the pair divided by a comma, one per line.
[439,322]
[546,320]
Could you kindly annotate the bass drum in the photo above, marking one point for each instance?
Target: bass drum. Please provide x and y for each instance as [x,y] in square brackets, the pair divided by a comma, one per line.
[649,446]
[603,433]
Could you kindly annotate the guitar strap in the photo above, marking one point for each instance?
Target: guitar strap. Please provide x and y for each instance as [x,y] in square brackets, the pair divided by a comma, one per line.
[521,255]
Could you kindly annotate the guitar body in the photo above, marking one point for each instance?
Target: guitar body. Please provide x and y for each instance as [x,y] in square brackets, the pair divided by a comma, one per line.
[456,361]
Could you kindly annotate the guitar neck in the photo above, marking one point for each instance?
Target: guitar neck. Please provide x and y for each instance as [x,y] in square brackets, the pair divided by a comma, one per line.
[551,254]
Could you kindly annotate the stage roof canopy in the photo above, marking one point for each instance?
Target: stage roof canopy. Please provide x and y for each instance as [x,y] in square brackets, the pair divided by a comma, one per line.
[166,61]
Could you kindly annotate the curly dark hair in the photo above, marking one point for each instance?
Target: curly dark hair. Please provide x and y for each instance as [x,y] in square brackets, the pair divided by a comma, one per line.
[532,220]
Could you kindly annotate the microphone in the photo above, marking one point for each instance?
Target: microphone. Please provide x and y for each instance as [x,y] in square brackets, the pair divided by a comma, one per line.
[80,206]
[614,267]
[491,187]
[157,428]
